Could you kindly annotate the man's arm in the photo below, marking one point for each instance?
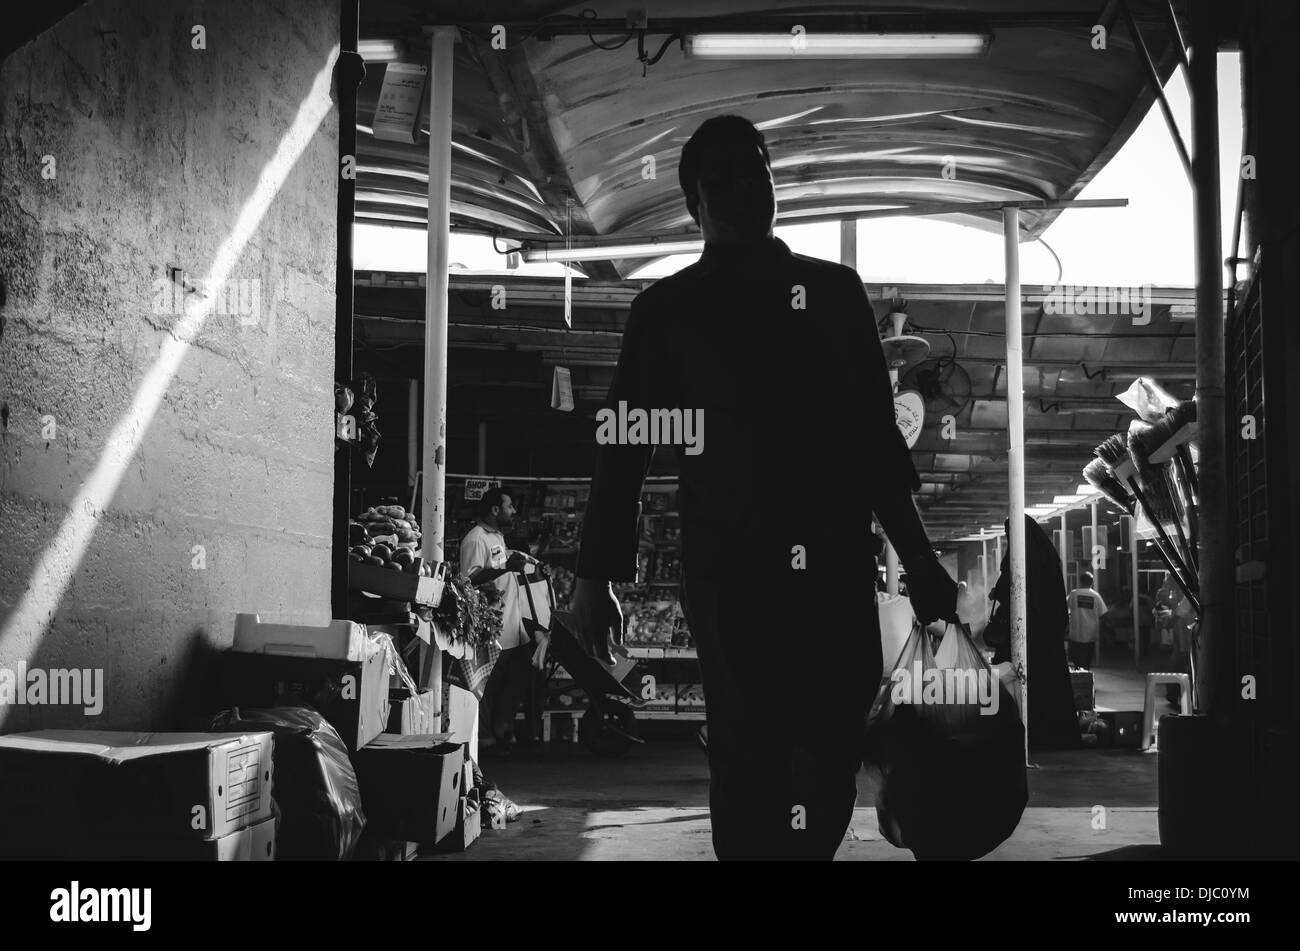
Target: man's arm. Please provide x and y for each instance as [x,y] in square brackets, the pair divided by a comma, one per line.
[516,561]
[609,529]
[892,472]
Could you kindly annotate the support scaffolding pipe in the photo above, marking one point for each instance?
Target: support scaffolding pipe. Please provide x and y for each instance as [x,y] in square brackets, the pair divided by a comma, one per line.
[434,466]
[1217,570]
[1016,459]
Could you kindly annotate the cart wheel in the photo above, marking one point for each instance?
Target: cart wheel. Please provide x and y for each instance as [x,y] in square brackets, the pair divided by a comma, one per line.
[604,730]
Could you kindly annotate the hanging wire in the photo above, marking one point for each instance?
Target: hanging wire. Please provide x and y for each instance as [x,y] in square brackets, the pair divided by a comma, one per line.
[589,14]
[1060,271]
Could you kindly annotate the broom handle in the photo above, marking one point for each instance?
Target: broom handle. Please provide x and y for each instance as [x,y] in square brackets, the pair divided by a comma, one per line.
[1184,457]
[1193,599]
[1167,551]
[1182,538]
[1186,510]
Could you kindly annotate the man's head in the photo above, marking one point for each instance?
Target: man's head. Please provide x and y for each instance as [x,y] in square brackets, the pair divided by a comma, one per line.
[1086,579]
[726,176]
[496,509]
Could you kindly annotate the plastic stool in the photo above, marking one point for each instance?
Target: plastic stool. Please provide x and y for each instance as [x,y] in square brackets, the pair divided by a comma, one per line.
[1149,703]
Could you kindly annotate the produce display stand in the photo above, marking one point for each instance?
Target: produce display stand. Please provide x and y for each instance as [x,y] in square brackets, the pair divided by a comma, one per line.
[549,526]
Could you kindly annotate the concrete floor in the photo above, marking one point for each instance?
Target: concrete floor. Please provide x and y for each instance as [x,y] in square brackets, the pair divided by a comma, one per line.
[652,804]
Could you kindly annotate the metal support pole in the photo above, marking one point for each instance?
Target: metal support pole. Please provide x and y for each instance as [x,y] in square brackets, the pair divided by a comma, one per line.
[891,570]
[1065,557]
[849,242]
[1217,569]
[433,488]
[984,569]
[435,302]
[412,432]
[1154,79]
[1090,558]
[347,74]
[1133,569]
[1095,565]
[1016,458]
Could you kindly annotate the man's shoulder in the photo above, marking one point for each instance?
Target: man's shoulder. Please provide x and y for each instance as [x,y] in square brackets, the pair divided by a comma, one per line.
[830,271]
[671,287]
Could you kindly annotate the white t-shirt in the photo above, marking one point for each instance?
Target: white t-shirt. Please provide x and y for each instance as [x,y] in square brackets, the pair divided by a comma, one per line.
[483,548]
[1086,609]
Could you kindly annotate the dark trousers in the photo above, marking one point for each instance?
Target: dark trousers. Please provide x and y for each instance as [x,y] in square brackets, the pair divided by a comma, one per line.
[790,666]
[505,689]
[1082,653]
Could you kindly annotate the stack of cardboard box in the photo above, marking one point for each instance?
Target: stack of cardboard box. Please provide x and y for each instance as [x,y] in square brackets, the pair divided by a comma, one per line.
[73,794]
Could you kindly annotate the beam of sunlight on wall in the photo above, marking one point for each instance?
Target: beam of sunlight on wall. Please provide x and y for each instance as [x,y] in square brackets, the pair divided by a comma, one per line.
[62,556]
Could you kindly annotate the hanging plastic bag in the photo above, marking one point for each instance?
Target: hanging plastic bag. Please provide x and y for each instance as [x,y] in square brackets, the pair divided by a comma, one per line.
[1148,399]
[945,749]
[314,787]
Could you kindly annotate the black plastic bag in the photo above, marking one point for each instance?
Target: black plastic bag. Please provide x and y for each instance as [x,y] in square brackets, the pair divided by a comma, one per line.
[950,779]
[314,787]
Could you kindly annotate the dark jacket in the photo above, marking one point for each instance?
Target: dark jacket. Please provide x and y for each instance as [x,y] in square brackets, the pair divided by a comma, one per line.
[1052,720]
[798,416]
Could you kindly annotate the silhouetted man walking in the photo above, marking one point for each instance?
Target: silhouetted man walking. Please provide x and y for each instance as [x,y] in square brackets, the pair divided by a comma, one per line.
[781,356]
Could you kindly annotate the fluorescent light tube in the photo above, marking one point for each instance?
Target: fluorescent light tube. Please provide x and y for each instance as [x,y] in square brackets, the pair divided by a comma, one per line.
[1067,499]
[835,45]
[379,51]
[612,252]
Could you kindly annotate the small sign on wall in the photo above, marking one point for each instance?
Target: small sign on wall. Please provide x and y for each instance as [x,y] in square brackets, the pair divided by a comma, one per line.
[397,115]
[909,414]
[474,488]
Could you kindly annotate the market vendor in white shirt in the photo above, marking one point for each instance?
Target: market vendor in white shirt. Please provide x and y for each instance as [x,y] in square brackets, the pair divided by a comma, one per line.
[485,559]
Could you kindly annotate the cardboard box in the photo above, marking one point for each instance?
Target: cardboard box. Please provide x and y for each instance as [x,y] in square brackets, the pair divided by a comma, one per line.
[255,843]
[412,714]
[83,786]
[410,786]
[341,640]
[396,585]
[469,826]
[351,695]
[460,714]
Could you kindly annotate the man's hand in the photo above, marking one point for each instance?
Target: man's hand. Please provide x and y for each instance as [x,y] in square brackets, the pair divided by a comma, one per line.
[518,559]
[932,592]
[539,651]
[596,618]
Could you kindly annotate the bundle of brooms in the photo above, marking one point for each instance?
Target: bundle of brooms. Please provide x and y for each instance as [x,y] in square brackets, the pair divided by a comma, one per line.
[1165,492]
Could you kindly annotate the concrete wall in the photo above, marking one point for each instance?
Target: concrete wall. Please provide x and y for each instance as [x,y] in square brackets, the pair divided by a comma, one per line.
[156,148]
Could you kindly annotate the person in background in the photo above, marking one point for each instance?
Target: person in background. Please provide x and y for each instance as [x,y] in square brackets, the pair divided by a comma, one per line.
[1052,722]
[1176,621]
[1163,612]
[1086,608]
[780,353]
[485,559]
